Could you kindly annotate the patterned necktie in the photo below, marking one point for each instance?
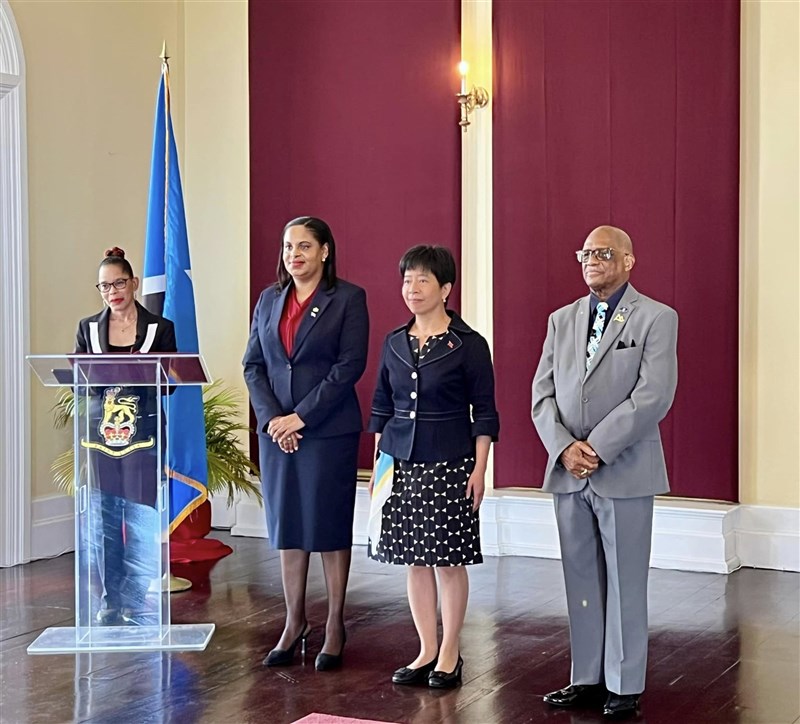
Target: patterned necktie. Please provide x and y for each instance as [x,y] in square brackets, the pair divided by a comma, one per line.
[597,333]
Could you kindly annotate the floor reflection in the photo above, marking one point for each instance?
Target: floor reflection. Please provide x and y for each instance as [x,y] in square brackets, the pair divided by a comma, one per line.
[724,649]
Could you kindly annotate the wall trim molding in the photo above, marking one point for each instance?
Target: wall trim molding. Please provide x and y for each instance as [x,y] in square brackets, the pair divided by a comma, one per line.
[53,529]
[477,200]
[15,482]
[688,535]
[768,537]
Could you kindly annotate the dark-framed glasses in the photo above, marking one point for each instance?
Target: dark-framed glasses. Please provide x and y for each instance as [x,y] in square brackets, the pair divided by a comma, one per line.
[104,287]
[583,255]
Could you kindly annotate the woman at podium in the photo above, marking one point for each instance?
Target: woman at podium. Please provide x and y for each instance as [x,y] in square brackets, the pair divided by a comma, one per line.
[125,527]
[307,349]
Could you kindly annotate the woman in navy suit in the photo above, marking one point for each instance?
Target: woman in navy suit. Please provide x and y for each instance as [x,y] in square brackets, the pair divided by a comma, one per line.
[434,417]
[125,539]
[307,350]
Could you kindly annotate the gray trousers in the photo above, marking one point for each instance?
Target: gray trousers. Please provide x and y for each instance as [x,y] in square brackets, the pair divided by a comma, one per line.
[605,554]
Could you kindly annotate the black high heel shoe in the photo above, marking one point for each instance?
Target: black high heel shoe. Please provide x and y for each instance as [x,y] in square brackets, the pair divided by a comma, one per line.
[445,679]
[411,677]
[284,657]
[329,662]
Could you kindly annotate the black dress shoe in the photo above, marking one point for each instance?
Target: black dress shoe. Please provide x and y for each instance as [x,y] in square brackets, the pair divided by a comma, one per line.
[446,679]
[284,657]
[412,677]
[576,695]
[329,662]
[108,617]
[621,705]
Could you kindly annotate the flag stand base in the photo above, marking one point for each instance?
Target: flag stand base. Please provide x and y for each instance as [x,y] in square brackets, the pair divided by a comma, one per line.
[173,584]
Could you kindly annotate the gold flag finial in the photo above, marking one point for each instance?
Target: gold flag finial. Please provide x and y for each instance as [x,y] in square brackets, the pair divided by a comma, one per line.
[164,57]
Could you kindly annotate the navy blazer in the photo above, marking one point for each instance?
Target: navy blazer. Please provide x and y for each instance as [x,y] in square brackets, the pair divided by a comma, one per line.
[329,356]
[434,410]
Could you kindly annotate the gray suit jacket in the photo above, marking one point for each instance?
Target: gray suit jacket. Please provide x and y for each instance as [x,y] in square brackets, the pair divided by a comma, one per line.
[617,405]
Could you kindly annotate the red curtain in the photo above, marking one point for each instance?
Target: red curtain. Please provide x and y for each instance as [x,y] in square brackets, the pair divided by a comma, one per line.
[625,113]
[353,119]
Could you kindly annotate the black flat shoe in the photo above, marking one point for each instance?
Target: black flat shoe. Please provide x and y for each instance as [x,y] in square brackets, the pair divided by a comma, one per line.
[329,662]
[413,677]
[621,705]
[446,679]
[284,657]
[576,695]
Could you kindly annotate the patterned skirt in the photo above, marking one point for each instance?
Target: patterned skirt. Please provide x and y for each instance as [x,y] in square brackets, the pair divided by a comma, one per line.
[427,519]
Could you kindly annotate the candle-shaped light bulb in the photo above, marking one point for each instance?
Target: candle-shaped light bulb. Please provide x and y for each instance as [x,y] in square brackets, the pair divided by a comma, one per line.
[463,66]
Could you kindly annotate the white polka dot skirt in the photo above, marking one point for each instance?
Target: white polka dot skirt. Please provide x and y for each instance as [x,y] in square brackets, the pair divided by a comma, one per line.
[427,519]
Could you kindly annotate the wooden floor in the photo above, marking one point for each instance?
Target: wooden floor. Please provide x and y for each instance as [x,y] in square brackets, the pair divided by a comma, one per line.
[723,649]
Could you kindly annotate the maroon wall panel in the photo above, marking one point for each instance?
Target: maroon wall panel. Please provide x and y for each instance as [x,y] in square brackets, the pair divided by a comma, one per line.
[625,113]
[353,118]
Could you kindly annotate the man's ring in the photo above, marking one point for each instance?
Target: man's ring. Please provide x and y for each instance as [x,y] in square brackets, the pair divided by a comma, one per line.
[584,471]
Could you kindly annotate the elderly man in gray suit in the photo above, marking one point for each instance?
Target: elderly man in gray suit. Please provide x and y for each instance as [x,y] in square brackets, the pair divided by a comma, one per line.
[606,378]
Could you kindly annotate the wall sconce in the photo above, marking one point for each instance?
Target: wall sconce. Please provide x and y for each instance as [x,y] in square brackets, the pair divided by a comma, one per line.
[468,101]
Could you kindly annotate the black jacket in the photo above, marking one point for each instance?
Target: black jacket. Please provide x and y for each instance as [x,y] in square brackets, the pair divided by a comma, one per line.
[433,411]
[153,333]
[131,475]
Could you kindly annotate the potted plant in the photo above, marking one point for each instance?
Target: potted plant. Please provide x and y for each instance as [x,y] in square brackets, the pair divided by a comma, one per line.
[230,469]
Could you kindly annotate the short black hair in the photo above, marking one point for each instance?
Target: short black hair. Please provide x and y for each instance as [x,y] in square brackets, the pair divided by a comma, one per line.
[438,260]
[323,234]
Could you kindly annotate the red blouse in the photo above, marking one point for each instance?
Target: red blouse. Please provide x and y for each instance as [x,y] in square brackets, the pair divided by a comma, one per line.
[291,317]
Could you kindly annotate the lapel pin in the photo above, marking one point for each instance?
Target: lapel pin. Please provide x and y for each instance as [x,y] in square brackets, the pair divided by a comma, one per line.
[450,344]
[314,311]
[619,318]
[623,309]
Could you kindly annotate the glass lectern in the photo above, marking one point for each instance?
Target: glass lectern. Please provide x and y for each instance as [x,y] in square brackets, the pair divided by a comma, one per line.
[121,414]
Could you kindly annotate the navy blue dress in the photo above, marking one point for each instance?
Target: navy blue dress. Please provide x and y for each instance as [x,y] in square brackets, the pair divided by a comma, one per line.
[309,495]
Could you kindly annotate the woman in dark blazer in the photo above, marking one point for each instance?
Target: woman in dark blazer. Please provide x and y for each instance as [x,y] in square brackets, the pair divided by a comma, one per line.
[307,350]
[125,542]
[434,417]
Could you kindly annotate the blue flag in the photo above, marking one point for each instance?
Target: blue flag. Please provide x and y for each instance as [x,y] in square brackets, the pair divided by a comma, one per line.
[167,289]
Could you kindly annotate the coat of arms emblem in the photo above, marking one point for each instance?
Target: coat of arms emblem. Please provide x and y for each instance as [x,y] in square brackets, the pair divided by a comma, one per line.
[118,424]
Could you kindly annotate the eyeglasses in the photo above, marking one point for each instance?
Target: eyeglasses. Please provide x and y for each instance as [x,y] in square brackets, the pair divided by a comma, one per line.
[583,255]
[104,287]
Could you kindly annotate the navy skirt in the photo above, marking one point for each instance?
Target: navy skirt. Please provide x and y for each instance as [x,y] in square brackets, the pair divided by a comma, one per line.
[310,495]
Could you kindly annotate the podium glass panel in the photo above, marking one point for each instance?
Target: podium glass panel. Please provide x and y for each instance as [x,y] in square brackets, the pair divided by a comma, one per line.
[122,597]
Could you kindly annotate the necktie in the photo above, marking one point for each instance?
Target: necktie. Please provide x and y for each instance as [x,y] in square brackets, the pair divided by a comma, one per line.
[597,333]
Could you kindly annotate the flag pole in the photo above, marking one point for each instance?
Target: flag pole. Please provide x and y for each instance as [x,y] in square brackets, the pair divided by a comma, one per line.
[173,584]
[165,79]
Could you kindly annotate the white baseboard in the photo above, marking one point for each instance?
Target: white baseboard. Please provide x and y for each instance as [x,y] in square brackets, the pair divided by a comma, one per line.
[249,519]
[688,535]
[768,537]
[222,516]
[519,525]
[53,526]
[694,535]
